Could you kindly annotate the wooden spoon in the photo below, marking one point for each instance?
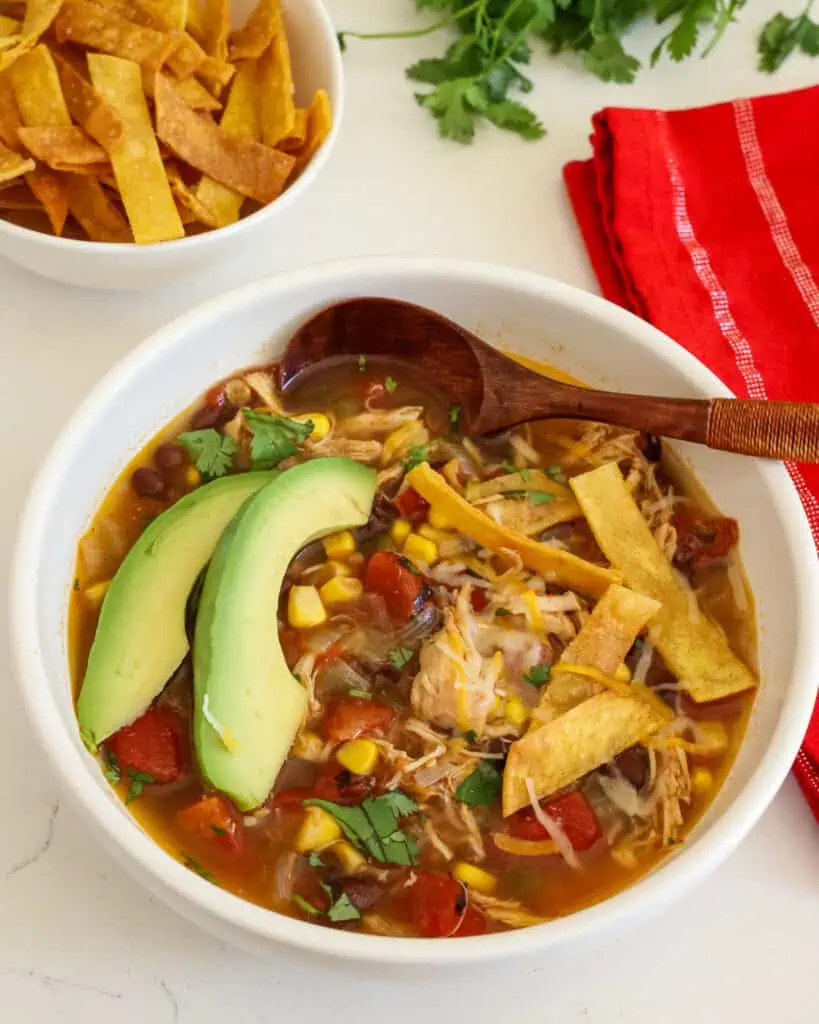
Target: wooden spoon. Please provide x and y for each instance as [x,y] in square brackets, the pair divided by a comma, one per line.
[494,392]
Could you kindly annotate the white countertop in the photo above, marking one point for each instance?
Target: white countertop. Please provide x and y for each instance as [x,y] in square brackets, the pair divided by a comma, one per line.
[79,941]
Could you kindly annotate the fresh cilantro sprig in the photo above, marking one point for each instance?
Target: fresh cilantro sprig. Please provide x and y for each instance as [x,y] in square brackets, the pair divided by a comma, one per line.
[418,453]
[782,35]
[137,782]
[538,675]
[400,657]
[211,452]
[275,438]
[374,828]
[482,787]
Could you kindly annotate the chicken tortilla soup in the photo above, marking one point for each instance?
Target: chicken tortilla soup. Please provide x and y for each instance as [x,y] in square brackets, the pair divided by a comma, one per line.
[360,669]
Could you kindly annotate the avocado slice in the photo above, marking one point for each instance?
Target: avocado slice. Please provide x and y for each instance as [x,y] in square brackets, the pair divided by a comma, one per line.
[247,705]
[140,639]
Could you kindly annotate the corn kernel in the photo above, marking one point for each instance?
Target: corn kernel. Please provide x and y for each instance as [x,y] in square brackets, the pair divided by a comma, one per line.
[516,711]
[475,878]
[438,520]
[358,756]
[433,534]
[400,530]
[701,780]
[420,548]
[318,829]
[341,589]
[96,592]
[351,860]
[321,424]
[192,477]
[339,545]
[400,440]
[622,673]
[304,608]
[496,711]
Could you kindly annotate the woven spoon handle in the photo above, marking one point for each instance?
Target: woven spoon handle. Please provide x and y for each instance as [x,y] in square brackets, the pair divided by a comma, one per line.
[772,430]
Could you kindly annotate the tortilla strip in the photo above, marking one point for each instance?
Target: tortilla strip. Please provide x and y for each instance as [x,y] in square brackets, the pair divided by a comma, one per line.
[188,200]
[17,196]
[94,211]
[693,648]
[195,20]
[13,165]
[253,38]
[293,142]
[245,166]
[554,565]
[319,123]
[37,90]
[38,18]
[602,644]
[135,157]
[10,31]
[196,95]
[88,24]
[587,736]
[49,187]
[216,26]
[277,107]
[9,114]
[61,146]
[239,120]
[96,117]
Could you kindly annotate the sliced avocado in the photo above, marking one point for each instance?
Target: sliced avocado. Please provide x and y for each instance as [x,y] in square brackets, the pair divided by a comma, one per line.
[248,705]
[140,639]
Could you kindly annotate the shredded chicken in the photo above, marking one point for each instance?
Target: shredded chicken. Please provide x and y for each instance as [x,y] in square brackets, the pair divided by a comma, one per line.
[262,384]
[666,537]
[305,671]
[674,785]
[346,448]
[510,912]
[379,421]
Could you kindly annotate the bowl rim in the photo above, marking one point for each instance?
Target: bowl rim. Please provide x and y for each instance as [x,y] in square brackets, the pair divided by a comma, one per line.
[127,250]
[176,883]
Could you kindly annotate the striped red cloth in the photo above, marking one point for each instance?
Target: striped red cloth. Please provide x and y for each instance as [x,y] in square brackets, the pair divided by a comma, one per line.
[706,223]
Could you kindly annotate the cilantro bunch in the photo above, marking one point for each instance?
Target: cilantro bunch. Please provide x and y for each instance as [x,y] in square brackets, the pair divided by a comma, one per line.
[481,76]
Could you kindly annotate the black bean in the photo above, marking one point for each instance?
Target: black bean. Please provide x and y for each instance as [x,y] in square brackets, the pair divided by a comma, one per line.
[148,483]
[207,416]
[362,894]
[633,763]
[651,446]
[169,456]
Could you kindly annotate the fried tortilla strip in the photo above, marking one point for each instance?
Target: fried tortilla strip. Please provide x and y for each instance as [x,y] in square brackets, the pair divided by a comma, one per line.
[17,196]
[601,646]
[62,146]
[9,114]
[255,171]
[591,734]
[13,165]
[38,18]
[216,27]
[186,199]
[176,14]
[37,90]
[49,187]
[10,32]
[693,648]
[238,120]
[195,23]
[556,503]
[135,157]
[554,565]
[277,106]
[87,107]
[253,38]
[87,24]
[319,123]
[293,142]
[94,211]
[196,95]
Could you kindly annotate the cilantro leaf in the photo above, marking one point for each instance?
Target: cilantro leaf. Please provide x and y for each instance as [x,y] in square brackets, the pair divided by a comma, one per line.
[782,35]
[607,59]
[390,383]
[305,906]
[217,830]
[112,772]
[538,675]
[417,455]
[454,416]
[138,781]
[373,826]
[192,864]
[363,694]
[344,910]
[540,497]
[315,861]
[211,452]
[482,787]
[502,611]
[400,657]
[362,364]
[508,467]
[274,438]
[556,474]
[88,741]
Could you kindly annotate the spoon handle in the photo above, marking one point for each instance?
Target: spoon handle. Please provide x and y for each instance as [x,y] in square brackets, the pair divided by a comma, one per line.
[772,430]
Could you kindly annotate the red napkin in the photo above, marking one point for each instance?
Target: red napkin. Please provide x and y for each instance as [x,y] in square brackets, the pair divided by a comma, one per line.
[706,223]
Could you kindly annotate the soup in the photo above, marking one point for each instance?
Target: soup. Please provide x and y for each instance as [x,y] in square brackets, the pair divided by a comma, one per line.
[359,669]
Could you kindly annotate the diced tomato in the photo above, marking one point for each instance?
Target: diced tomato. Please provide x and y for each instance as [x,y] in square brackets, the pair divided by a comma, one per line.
[411,505]
[437,908]
[213,819]
[572,812]
[700,540]
[332,653]
[292,799]
[348,717]
[291,642]
[216,397]
[478,599]
[388,575]
[152,744]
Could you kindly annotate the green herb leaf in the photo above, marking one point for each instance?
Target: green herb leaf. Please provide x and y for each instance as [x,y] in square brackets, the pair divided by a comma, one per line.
[500,612]
[363,694]
[315,861]
[373,826]
[362,364]
[138,781]
[211,452]
[344,910]
[538,675]
[508,467]
[781,35]
[88,741]
[482,787]
[454,416]
[400,656]
[274,438]
[607,59]
[194,865]
[471,736]
[390,384]
[540,497]
[417,455]
[217,830]
[112,772]
[304,906]
[556,473]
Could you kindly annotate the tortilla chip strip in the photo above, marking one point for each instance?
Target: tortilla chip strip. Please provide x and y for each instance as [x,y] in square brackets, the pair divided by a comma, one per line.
[554,565]
[277,107]
[238,120]
[94,211]
[253,38]
[87,24]
[37,90]
[319,123]
[195,95]
[88,108]
[12,165]
[61,146]
[293,142]
[216,26]
[49,188]
[38,18]
[587,736]
[602,644]
[17,196]
[195,23]
[9,114]
[135,157]
[255,171]
[693,648]
[187,201]
[10,31]
[525,516]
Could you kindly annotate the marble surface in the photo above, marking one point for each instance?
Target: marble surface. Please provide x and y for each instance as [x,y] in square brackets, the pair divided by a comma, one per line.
[79,941]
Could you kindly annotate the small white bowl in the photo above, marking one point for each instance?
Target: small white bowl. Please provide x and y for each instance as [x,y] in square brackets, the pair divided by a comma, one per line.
[594,340]
[317,64]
